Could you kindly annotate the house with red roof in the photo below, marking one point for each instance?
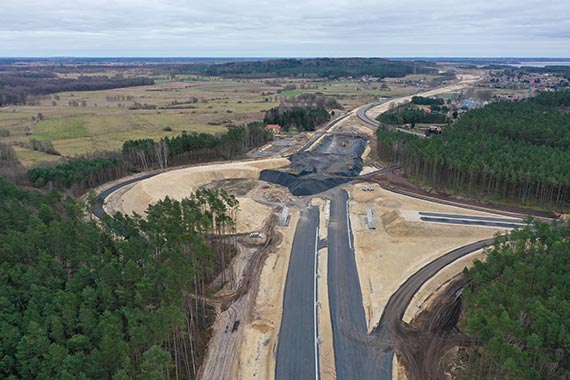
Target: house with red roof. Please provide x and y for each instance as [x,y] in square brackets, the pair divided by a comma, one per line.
[275,128]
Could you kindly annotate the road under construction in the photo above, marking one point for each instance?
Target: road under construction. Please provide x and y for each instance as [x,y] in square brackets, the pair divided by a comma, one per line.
[323,168]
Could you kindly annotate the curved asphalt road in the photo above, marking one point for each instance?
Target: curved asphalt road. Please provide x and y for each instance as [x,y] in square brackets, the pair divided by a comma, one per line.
[361,113]
[98,210]
[357,354]
[399,301]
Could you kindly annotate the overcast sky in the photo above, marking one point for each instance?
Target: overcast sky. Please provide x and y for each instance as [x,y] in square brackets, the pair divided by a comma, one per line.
[298,28]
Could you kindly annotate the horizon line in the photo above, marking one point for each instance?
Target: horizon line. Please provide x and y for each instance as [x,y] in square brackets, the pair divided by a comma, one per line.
[280,57]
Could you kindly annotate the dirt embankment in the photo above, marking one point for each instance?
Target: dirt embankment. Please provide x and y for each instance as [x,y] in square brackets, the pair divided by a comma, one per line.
[432,288]
[250,306]
[178,184]
[421,307]
[426,347]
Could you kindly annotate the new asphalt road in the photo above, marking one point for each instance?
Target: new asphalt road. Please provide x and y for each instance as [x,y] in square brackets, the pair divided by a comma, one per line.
[98,210]
[347,313]
[296,349]
[358,355]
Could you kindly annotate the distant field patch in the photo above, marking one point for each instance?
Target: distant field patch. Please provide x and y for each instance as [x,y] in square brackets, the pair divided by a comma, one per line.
[293,93]
[30,157]
[61,128]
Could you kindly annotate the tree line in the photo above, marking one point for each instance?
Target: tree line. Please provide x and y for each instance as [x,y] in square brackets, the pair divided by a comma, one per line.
[508,151]
[312,100]
[421,100]
[301,118]
[77,303]
[17,87]
[315,67]
[563,71]
[89,172]
[200,147]
[517,308]
[86,172]
[412,116]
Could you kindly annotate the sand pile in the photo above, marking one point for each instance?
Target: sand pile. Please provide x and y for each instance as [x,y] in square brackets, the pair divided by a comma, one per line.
[251,215]
[390,217]
[395,225]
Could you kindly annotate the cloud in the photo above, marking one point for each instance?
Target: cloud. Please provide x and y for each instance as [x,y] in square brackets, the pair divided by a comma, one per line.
[287,28]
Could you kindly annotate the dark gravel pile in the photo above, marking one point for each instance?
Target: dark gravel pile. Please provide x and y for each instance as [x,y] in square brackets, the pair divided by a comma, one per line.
[334,162]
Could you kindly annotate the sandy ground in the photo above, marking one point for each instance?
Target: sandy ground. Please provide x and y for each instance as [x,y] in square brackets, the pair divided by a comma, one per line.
[353,124]
[368,169]
[366,152]
[180,183]
[397,248]
[326,347]
[259,336]
[251,215]
[221,356]
[398,370]
[384,107]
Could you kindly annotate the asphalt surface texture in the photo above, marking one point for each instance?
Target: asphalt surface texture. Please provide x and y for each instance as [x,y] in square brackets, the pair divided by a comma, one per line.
[390,330]
[358,355]
[471,217]
[353,358]
[98,210]
[468,222]
[296,349]
[361,113]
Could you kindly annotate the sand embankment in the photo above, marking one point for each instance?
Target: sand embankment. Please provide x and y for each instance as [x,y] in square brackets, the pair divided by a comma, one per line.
[178,184]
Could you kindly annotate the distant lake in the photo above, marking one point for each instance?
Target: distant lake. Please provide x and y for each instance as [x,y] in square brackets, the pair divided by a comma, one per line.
[541,64]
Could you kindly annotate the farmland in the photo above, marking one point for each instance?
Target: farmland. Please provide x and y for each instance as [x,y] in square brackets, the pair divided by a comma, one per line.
[83,122]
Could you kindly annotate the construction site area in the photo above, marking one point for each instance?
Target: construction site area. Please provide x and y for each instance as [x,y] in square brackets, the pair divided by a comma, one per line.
[405,318]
